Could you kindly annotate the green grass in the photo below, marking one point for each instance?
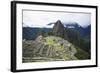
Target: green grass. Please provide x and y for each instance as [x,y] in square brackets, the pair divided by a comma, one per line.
[50,41]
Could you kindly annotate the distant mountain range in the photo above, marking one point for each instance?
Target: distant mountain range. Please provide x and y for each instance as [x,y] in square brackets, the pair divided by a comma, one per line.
[31,33]
[83,31]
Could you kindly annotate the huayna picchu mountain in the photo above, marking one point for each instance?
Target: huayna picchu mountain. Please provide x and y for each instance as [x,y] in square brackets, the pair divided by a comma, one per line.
[59,30]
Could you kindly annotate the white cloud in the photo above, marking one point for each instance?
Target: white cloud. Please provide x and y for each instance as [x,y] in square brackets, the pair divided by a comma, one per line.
[41,18]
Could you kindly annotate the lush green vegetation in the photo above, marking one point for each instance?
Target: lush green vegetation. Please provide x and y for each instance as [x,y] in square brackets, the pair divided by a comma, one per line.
[75,38]
[81,54]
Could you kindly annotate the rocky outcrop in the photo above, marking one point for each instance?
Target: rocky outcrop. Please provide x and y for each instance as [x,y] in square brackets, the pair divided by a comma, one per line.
[58,29]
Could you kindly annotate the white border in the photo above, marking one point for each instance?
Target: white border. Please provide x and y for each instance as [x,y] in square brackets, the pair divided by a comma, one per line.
[37,65]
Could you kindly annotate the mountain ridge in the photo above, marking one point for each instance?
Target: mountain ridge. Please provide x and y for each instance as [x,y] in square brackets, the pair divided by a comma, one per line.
[54,44]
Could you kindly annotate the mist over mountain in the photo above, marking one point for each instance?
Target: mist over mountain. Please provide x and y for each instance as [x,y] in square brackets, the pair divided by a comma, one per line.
[58,29]
[83,31]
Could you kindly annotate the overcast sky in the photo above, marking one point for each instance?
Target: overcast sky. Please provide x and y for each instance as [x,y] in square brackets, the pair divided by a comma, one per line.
[41,18]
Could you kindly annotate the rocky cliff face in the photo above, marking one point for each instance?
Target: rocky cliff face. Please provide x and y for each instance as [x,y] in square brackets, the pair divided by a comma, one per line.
[59,30]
